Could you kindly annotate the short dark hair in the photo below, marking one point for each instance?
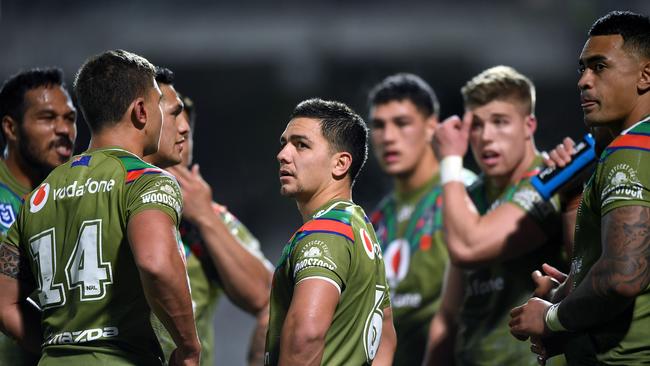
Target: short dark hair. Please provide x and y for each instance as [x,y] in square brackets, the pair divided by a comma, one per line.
[164,75]
[107,83]
[406,86]
[343,129]
[633,27]
[12,94]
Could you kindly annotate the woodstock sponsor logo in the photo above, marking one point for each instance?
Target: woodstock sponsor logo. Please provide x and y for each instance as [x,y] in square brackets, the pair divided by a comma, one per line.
[82,336]
[77,189]
[160,197]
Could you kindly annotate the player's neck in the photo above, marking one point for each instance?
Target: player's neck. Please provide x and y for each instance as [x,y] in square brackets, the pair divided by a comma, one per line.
[25,173]
[332,192]
[424,171]
[520,170]
[639,112]
[117,137]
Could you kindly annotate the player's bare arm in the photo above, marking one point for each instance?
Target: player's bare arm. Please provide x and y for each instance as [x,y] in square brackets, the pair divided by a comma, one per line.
[309,317]
[621,273]
[248,289]
[610,286]
[258,338]
[152,237]
[474,240]
[388,343]
[442,332]
[17,319]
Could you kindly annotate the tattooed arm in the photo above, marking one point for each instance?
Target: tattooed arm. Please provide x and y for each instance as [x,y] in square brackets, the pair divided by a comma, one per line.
[18,319]
[621,273]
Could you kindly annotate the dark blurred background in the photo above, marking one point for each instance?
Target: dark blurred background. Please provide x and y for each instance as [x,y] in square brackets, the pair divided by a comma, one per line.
[248,63]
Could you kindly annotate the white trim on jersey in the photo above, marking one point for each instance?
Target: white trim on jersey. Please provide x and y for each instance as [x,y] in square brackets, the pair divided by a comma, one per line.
[322,278]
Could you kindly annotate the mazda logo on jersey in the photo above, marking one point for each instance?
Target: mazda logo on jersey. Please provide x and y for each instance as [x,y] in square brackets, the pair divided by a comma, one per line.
[396,258]
[39,198]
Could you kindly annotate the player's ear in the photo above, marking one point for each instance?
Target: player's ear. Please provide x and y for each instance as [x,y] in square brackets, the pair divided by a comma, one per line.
[138,112]
[341,164]
[10,127]
[530,125]
[430,128]
[644,81]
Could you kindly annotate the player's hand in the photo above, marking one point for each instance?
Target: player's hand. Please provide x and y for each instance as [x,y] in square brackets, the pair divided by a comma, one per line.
[547,347]
[545,283]
[571,192]
[452,136]
[561,155]
[528,319]
[197,194]
[181,357]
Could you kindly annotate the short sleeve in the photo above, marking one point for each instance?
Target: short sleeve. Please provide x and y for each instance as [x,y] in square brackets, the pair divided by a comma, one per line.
[386,302]
[528,199]
[158,191]
[242,234]
[624,180]
[325,256]
[13,235]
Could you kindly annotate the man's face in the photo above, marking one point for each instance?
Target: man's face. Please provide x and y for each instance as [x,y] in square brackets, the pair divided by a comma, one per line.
[188,144]
[45,138]
[608,80]
[153,106]
[498,135]
[174,129]
[305,159]
[401,135]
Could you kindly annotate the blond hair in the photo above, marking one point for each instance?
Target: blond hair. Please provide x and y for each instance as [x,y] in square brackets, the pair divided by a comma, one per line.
[499,83]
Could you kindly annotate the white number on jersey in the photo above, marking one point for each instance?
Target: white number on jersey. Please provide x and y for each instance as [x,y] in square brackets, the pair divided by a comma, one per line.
[85,268]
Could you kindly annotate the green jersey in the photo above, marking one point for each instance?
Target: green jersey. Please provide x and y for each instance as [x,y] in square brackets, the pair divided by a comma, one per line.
[492,291]
[409,229]
[205,282]
[621,179]
[72,231]
[337,245]
[11,199]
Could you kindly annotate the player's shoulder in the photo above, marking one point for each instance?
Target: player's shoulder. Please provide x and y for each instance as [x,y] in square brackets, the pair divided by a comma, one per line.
[334,220]
[632,146]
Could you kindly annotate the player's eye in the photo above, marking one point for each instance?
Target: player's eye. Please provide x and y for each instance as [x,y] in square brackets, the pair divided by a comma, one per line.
[600,67]
[581,69]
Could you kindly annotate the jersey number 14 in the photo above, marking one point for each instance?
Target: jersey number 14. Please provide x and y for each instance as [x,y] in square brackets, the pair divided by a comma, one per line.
[85,269]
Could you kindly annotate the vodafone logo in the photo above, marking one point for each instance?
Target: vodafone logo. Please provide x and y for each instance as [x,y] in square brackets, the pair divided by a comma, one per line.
[368,246]
[39,198]
[396,258]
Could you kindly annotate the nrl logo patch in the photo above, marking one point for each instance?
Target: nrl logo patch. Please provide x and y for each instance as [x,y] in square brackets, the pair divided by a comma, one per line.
[7,215]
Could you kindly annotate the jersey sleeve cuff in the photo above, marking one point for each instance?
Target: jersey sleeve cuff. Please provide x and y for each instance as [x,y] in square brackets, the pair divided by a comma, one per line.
[329,280]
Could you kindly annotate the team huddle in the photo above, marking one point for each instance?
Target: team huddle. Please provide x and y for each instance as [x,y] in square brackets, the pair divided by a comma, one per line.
[118,255]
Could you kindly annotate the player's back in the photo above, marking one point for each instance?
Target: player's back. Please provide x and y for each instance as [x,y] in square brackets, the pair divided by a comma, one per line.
[74,231]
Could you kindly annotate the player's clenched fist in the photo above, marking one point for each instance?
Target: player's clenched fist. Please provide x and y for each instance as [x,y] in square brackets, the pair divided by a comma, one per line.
[451,137]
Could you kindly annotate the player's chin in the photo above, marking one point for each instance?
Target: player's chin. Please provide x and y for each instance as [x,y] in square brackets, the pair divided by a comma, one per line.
[288,191]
